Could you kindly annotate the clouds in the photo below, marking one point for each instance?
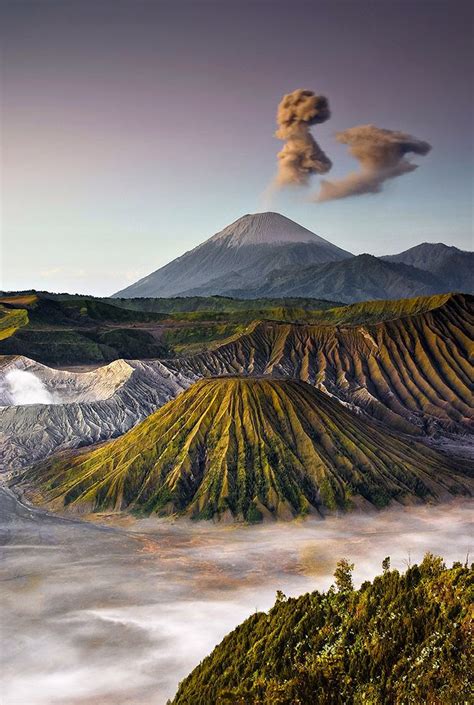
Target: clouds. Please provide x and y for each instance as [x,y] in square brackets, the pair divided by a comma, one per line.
[301,156]
[123,615]
[381,154]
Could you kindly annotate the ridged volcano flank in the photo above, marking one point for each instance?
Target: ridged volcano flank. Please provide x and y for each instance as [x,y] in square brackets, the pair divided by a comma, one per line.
[248,448]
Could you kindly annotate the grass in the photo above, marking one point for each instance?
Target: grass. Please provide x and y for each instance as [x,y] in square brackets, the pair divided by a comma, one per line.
[78,329]
[11,319]
[169,327]
[370,312]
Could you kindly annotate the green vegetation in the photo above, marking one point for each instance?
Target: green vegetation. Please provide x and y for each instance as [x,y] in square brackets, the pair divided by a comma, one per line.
[188,339]
[378,311]
[402,639]
[75,346]
[248,448]
[76,331]
[221,304]
[73,329]
[11,320]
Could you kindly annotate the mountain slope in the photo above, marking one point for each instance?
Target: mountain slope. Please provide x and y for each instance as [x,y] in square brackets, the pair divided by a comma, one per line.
[453,267]
[457,271]
[400,639]
[427,255]
[248,448]
[75,330]
[249,248]
[84,407]
[413,372]
[360,278]
[406,362]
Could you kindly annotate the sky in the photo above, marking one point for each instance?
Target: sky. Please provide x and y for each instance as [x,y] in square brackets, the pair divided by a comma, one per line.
[133,130]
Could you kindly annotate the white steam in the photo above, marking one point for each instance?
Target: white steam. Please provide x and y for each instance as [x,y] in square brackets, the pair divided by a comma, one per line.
[23,387]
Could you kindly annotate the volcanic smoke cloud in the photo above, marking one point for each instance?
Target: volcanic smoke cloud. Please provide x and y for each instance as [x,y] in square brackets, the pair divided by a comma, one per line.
[301,155]
[381,154]
[24,387]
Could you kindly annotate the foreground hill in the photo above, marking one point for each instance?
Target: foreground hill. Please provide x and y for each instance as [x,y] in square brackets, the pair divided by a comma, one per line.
[249,449]
[400,639]
[252,246]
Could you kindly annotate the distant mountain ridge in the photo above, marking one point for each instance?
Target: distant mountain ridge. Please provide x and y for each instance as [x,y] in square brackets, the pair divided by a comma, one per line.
[427,255]
[267,254]
[360,278]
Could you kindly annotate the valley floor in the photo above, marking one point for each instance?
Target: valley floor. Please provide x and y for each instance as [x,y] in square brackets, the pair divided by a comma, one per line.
[118,616]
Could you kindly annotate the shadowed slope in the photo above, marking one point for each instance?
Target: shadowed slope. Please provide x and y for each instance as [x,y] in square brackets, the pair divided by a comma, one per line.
[427,255]
[352,279]
[249,448]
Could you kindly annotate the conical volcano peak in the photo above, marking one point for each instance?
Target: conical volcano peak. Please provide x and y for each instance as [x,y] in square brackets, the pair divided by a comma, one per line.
[265,229]
[244,252]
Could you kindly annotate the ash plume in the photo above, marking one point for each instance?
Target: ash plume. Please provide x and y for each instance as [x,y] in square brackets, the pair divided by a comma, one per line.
[381,154]
[301,155]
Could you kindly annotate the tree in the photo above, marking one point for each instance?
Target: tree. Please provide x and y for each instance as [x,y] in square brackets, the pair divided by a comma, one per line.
[343,575]
[386,564]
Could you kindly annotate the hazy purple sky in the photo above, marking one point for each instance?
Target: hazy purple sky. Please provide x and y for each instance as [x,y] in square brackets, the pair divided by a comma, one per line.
[134,130]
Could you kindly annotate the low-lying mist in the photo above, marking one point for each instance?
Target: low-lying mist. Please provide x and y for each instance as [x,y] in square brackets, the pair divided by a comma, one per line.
[113,616]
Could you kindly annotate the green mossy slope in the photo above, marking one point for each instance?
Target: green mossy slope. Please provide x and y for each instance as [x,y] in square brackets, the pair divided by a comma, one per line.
[248,449]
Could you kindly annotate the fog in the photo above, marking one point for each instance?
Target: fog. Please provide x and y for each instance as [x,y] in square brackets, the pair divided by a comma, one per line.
[115,616]
[23,387]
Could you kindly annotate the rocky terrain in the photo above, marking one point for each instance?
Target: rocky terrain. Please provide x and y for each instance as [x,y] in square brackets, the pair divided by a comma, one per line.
[80,408]
[413,372]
